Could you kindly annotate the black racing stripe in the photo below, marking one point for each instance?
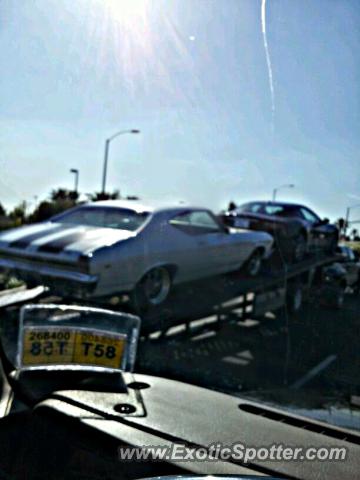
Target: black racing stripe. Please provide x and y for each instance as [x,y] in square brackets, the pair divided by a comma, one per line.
[59,245]
[25,241]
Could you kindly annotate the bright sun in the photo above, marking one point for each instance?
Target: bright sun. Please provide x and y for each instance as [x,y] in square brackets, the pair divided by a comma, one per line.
[125,10]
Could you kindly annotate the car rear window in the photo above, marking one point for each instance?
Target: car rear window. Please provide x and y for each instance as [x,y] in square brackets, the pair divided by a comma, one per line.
[104,217]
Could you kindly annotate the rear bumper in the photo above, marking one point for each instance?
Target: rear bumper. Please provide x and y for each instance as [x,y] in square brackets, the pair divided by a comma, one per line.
[60,279]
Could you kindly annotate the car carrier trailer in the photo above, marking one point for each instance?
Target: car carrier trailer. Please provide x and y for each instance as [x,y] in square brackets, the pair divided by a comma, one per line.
[280,285]
[235,295]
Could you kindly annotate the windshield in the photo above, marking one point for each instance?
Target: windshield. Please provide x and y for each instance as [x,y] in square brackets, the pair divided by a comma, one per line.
[240,120]
[119,218]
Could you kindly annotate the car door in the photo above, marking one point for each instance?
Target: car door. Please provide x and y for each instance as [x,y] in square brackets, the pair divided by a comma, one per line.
[206,248]
[215,239]
[226,250]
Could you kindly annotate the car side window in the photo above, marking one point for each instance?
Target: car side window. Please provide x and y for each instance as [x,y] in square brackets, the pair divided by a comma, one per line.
[249,207]
[309,216]
[274,209]
[256,208]
[196,223]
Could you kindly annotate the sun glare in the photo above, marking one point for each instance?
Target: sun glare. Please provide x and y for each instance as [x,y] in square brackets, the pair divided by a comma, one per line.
[138,45]
[126,10]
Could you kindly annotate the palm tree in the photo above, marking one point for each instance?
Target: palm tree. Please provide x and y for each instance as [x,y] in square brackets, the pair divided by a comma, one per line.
[94,197]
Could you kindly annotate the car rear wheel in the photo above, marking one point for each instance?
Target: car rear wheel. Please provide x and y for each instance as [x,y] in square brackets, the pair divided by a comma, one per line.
[253,265]
[153,289]
[300,248]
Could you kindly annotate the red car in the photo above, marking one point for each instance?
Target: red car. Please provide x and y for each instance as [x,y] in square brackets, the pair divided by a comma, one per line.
[297,230]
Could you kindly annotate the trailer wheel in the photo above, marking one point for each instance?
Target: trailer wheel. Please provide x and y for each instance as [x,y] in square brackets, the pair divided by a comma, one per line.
[294,298]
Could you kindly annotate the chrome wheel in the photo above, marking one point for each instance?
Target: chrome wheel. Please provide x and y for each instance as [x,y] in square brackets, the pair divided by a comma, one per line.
[156,285]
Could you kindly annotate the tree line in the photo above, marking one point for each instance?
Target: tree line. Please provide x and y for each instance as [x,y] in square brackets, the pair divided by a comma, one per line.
[59,200]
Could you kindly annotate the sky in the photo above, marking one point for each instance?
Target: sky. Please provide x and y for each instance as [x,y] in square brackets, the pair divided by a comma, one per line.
[231,100]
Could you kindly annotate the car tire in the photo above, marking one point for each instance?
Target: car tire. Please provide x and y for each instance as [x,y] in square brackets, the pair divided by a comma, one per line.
[253,265]
[299,248]
[152,290]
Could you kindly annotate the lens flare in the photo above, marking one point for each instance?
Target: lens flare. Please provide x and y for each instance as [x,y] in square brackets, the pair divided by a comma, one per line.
[139,45]
[126,11]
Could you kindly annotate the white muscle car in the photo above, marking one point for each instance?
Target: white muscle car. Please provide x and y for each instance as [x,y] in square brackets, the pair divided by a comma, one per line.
[110,247]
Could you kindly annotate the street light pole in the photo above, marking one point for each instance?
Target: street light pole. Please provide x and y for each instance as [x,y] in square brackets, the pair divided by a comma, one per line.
[75,171]
[106,154]
[278,188]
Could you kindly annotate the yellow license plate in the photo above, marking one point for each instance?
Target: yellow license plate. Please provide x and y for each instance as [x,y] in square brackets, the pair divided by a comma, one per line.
[70,346]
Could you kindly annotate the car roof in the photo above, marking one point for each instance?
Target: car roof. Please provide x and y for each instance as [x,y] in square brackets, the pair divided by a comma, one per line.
[128,204]
[280,204]
[140,207]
